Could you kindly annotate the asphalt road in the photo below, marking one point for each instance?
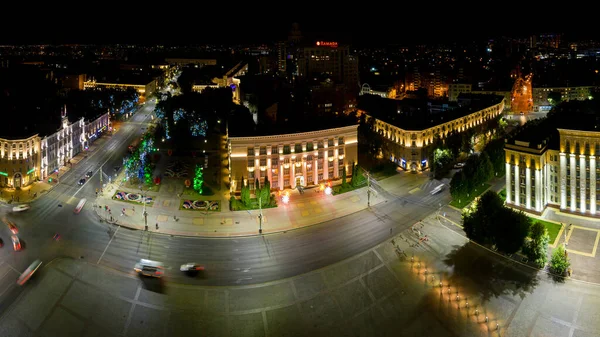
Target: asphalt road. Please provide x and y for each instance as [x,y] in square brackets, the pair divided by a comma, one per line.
[53,212]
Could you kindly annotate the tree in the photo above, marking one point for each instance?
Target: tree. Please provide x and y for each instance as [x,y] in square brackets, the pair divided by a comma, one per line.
[442,159]
[485,169]
[457,185]
[344,178]
[510,228]
[353,179]
[536,248]
[479,224]
[245,193]
[560,263]
[198,179]
[265,192]
[554,98]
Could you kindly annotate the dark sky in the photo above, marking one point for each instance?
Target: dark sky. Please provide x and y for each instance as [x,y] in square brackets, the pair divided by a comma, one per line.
[376,23]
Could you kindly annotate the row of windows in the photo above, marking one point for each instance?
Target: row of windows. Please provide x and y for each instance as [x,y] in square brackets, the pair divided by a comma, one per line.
[286,182]
[275,162]
[287,149]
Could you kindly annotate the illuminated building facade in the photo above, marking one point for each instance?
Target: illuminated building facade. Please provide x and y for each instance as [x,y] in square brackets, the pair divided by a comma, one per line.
[70,139]
[24,160]
[581,93]
[144,89]
[20,161]
[408,134]
[555,167]
[291,160]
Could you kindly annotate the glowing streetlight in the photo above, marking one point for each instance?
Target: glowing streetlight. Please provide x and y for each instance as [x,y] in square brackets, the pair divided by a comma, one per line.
[286,198]
[328,190]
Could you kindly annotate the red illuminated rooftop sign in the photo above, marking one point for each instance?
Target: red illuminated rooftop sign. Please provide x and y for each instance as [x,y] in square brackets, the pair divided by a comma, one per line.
[327,44]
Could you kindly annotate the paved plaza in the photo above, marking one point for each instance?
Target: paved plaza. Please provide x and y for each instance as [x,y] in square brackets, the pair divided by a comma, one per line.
[390,290]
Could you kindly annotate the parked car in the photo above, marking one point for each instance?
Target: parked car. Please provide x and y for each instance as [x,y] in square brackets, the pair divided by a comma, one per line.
[89,174]
[20,208]
[81,181]
[16,243]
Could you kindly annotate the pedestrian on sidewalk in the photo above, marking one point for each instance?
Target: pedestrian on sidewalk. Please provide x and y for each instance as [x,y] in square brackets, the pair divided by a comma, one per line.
[157,226]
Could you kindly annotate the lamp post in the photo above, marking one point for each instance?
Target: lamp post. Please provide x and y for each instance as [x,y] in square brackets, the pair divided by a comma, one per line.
[368,189]
[260,215]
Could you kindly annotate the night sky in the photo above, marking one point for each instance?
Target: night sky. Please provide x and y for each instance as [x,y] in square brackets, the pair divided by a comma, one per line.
[188,24]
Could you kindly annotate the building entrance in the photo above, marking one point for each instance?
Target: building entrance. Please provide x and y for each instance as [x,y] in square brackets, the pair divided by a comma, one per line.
[17,180]
[300,181]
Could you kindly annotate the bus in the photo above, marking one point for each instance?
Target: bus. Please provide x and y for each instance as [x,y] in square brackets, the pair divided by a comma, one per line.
[79,206]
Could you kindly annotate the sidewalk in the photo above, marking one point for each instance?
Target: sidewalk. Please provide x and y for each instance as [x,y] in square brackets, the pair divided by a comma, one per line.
[302,210]
[37,189]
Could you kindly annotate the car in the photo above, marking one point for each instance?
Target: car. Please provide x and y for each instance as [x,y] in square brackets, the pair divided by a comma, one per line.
[149,268]
[16,243]
[81,181]
[12,227]
[191,267]
[35,265]
[89,174]
[1,242]
[117,168]
[20,208]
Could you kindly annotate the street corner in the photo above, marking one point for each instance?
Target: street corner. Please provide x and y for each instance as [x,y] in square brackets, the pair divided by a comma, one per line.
[581,240]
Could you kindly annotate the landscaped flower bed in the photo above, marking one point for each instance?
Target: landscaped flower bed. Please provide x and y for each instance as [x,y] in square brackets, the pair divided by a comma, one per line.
[132,197]
[201,205]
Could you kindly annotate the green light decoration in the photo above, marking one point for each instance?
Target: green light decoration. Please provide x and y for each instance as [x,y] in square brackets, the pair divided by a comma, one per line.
[31,171]
[198,179]
[4,174]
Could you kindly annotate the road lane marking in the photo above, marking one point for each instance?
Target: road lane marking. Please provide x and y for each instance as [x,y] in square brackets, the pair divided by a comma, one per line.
[108,244]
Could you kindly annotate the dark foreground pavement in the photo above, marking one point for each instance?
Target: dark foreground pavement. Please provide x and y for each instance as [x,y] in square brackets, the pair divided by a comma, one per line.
[381,292]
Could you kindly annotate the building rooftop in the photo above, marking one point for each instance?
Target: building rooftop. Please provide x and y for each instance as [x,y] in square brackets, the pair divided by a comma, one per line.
[241,124]
[25,114]
[416,114]
[123,76]
[573,115]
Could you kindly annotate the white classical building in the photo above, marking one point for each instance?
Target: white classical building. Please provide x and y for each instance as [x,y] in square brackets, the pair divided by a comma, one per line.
[554,170]
[289,160]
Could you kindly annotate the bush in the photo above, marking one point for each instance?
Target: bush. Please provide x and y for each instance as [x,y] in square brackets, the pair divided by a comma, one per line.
[559,263]
[206,190]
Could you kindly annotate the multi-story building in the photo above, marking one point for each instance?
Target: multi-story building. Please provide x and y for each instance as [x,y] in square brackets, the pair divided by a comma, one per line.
[24,160]
[145,86]
[409,130]
[455,89]
[540,95]
[332,59]
[553,164]
[291,160]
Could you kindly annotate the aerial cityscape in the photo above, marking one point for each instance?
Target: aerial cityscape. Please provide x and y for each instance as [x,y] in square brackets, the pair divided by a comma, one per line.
[300,182]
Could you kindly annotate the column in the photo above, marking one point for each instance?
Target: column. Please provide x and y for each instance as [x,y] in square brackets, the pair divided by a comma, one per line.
[304,172]
[573,176]
[528,188]
[582,184]
[269,171]
[336,165]
[316,170]
[325,163]
[280,175]
[538,190]
[517,189]
[563,181]
[593,184]
[508,175]
[293,174]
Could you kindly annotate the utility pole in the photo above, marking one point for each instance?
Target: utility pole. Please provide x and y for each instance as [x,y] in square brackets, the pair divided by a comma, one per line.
[260,215]
[368,189]
[101,173]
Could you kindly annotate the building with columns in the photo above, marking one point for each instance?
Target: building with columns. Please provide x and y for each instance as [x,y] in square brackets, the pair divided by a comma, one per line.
[408,128]
[38,153]
[292,160]
[553,164]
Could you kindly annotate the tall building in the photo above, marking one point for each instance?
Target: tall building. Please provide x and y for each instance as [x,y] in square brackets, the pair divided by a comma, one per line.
[553,163]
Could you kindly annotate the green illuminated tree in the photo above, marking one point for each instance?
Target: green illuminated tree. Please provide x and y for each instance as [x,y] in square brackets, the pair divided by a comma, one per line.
[198,179]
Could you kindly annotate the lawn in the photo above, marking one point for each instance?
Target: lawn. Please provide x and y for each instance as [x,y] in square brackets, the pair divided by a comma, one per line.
[502,194]
[552,228]
[339,189]
[463,201]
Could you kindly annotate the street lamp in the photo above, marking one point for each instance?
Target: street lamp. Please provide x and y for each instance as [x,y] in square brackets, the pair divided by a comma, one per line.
[260,215]
[144,213]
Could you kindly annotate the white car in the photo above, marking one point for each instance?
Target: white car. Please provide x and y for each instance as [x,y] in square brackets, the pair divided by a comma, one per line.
[20,208]
[190,267]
